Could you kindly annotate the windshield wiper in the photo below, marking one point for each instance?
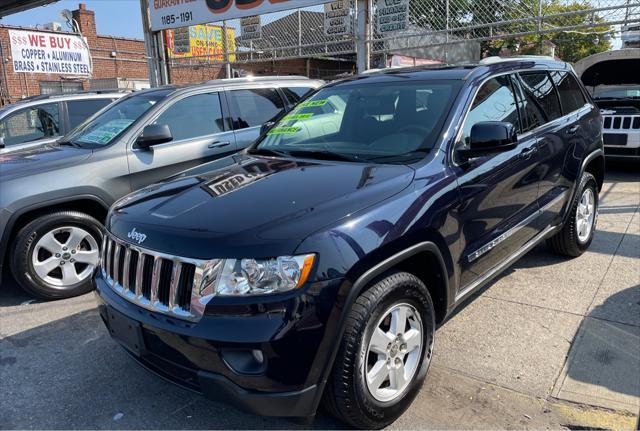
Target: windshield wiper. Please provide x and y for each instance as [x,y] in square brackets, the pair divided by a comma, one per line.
[324,155]
[69,144]
[267,152]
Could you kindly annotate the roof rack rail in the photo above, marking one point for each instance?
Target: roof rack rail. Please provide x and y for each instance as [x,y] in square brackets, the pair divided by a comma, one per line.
[73,93]
[258,78]
[496,59]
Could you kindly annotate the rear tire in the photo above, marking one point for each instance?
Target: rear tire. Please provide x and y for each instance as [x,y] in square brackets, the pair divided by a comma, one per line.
[373,383]
[45,245]
[577,233]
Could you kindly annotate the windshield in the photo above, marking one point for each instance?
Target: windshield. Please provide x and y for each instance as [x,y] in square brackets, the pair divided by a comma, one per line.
[387,123]
[628,92]
[109,124]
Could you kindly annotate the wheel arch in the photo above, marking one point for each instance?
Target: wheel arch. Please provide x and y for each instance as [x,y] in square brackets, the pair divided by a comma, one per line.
[88,204]
[595,166]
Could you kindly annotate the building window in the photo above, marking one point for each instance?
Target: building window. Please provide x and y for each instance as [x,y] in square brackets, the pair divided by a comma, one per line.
[54,87]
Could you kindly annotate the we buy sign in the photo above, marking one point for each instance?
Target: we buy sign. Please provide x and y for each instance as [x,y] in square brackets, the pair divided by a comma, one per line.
[41,52]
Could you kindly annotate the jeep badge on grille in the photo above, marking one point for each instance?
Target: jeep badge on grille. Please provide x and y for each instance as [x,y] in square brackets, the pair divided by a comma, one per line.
[136,236]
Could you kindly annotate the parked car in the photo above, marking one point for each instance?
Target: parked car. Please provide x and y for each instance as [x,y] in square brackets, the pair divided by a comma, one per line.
[316,264]
[53,199]
[613,79]
[40,120]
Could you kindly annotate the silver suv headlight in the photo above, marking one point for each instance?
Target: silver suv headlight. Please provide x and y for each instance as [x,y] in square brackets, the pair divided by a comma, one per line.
[241,277]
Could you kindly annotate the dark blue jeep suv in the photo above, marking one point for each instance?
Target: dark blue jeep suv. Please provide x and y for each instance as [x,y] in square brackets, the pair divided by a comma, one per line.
[315,265]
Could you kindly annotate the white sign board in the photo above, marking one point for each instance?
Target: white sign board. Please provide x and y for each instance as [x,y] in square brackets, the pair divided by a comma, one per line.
[250,27]
[40,52]
[392,16]
[337,21]
[181,13]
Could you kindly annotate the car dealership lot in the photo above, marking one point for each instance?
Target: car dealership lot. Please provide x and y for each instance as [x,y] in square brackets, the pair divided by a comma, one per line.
[552,342]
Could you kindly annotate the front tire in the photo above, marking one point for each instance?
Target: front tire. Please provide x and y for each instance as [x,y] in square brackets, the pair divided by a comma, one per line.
[55,254]
[577,233]
[384,354]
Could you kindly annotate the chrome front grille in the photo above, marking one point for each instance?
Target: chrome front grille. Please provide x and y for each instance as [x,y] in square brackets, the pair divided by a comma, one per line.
[167,284]
[621,122]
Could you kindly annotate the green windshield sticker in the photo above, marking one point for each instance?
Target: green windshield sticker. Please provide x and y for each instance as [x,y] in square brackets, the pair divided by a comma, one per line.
[313,103]
[285,130]
[298,117]
[105,133]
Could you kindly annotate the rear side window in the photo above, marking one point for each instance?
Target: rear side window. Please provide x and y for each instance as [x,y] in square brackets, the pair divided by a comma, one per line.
[294,94]
[193,117]
[571,96]
[254,107]
[31,124]
[540,91]
[80,110]
[495,101]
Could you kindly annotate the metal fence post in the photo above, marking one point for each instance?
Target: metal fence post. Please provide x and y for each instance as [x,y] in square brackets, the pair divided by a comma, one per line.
[362,35]
[446,26]
[227,63]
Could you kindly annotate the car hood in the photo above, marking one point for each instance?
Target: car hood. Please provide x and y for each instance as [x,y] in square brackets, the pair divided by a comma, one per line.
[41,159]
[251,206]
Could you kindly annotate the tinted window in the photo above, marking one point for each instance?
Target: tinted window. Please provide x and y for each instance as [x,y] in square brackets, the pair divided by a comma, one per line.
[540,91]
[495,101]
[255,107]
[531,114]
[80,110]
[294,94]
[384,123]
[31,124]
[193,116]
[571,96]
[108,125]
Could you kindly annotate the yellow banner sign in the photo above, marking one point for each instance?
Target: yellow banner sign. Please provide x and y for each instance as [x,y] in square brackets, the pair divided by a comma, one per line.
[204,41]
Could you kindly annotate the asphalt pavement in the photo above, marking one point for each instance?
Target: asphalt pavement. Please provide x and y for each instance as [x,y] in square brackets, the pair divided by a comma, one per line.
[552,343]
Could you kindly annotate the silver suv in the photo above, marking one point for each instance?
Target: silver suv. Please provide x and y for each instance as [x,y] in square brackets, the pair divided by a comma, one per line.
[40,120]
[54,198]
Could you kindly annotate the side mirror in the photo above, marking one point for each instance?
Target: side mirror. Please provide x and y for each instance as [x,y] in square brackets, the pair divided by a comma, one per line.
[490,137]
[154,134]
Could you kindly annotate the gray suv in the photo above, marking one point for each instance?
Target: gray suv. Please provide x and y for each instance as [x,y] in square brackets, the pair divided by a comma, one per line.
[40,120]
[54,198]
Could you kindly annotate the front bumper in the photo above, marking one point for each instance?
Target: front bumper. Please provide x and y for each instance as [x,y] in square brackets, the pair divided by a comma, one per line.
[214,356]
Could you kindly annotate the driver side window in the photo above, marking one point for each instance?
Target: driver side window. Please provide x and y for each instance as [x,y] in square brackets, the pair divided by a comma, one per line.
[193,117]
[495,101]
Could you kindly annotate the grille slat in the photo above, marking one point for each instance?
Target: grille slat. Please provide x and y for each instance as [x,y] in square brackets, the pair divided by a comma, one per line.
[152,280]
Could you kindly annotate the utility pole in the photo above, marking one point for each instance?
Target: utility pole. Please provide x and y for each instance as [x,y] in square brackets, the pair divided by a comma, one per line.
[362,35]
[152,64]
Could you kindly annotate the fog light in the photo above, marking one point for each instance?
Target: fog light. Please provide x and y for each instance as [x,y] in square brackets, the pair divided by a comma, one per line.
[258,356]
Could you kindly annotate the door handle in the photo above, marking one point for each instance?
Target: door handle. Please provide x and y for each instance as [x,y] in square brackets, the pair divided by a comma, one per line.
[573,129]
[219,144]
[528,152]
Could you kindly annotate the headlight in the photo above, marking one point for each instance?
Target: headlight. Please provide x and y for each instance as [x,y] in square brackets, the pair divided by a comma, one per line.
[241,277]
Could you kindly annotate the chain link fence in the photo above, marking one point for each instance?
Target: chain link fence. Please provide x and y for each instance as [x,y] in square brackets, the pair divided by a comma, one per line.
[444,30]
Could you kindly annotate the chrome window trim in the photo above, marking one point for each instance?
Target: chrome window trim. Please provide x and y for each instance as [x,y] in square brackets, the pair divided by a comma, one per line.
[459,126]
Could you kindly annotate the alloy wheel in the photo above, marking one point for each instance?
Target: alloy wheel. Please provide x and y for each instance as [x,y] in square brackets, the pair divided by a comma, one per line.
[65,256]
[585,215]
[393,352]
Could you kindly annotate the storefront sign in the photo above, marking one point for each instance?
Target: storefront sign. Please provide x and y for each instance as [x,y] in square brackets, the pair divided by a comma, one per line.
[201,41]
[250,27]
[337,21]
[40,52]
[180,13]
[392,16]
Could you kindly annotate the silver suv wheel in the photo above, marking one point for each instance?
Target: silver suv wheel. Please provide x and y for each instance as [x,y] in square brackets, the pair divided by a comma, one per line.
[65,256]
[393,352]
[585,215]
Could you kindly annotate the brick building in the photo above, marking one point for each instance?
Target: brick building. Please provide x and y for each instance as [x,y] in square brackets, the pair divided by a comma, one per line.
[123,59]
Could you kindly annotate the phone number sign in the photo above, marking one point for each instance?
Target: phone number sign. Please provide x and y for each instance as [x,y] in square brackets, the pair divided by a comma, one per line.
[180,13]
[57,53]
